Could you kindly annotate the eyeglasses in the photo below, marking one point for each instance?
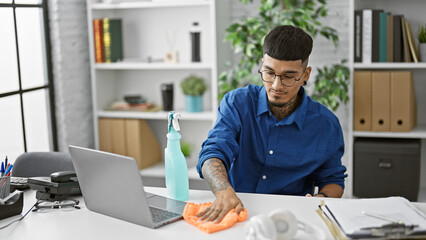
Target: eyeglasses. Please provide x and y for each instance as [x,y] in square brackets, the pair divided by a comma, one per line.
[286,80]
[65,205]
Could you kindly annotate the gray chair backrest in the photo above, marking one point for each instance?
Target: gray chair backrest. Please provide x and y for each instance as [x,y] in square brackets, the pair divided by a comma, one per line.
[41,164]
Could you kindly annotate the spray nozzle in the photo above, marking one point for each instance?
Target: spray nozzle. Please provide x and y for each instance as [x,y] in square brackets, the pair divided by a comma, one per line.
[173,121]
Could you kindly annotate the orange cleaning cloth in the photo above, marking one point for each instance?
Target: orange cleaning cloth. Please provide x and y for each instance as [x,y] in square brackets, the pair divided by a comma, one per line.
[192,209]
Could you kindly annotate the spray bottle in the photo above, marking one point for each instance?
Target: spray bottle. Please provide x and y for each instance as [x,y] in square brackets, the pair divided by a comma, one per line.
[176,168]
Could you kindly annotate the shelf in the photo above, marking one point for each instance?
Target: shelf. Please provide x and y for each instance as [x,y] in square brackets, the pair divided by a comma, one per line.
[161,115]
[150,4]
[418,132]
[420,65]
[151,66]
[158,170]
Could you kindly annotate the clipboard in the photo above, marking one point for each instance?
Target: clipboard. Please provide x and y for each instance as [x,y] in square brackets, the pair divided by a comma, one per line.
[393,217]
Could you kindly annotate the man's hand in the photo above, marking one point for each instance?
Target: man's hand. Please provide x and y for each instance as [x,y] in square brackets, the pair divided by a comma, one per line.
[214,172]
[225,201]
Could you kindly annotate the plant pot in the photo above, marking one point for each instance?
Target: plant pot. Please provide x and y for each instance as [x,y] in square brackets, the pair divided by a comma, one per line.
[422,47]
[194,103]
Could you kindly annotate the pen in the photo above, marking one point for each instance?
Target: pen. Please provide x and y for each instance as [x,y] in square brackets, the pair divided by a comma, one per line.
[8,169]
[5,162]
[2,169]
[382,217]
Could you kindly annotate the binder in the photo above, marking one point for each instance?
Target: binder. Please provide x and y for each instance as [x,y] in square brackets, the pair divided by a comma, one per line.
[403,102]
[362,100]
[380,101]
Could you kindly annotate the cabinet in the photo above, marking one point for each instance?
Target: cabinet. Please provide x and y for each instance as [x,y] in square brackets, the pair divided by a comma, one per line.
[148,28]
[413,11]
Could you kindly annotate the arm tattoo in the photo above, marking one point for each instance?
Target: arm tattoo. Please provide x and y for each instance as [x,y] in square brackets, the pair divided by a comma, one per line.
[215,174]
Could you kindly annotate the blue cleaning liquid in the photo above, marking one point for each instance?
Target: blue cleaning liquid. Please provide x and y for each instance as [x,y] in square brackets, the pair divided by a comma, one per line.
[176,168]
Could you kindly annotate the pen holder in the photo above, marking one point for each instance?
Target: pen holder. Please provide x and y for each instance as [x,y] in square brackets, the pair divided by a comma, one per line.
[12,207]
[4,186]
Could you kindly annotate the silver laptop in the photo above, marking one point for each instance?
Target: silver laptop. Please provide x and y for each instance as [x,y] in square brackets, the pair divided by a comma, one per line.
[111,185]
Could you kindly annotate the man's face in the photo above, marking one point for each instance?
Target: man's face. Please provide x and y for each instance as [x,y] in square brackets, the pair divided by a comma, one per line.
[279,94]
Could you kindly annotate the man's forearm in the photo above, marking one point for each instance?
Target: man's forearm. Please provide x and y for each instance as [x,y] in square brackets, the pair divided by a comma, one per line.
[332,190]
[214,172]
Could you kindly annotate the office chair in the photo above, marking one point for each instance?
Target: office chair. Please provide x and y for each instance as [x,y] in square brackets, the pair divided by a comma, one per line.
[41,164]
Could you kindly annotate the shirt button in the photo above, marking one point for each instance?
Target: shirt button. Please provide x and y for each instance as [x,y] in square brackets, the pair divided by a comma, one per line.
[264,177]
[271,152]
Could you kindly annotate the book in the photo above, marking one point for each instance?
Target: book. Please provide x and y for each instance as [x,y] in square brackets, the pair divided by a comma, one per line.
[389,38]
[113,48]
[366,35]
[397,39]
[358,36]
[411,42]
[406,49]
[98,40]
[375,36]
[383,48]
[371,35]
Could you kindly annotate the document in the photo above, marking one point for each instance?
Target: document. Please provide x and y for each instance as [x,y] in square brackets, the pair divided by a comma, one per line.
[356,217]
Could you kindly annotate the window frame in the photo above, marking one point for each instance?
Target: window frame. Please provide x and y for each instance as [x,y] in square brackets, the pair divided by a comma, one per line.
[49,73]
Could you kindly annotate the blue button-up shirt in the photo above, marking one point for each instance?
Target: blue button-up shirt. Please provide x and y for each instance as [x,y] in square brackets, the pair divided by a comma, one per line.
[263,155]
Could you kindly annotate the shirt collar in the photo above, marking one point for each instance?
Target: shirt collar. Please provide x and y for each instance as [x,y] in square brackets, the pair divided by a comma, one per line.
[298,116]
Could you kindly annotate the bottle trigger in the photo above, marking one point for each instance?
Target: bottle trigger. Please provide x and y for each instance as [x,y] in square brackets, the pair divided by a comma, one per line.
[175,121]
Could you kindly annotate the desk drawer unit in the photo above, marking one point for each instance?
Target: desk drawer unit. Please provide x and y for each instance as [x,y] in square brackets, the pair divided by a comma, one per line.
[386,167]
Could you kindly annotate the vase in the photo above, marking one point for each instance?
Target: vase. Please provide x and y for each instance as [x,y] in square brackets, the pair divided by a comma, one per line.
[194,103]
[422,47]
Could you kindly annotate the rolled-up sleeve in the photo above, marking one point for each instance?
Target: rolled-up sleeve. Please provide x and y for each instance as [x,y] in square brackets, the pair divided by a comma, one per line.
[332,171]
[222,140]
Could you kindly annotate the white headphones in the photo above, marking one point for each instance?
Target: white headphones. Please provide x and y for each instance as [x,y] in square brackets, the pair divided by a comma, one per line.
[280,224]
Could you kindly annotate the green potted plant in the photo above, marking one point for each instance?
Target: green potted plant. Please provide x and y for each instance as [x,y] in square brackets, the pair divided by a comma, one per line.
[421,36]
[331,85]
[193,87]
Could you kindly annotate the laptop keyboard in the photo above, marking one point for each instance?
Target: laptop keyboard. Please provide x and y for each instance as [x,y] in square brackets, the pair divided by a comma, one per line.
[160,215]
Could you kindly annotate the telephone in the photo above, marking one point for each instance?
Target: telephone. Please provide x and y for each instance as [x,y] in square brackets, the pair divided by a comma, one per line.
[57,187]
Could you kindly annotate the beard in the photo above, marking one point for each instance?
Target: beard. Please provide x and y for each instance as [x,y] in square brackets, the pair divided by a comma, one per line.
[277,105]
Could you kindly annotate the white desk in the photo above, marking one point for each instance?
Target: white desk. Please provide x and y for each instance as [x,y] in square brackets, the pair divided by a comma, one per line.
[85,224]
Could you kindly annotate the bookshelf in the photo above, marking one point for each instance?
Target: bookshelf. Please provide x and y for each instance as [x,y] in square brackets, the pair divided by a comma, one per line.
[147,29]
[413,11]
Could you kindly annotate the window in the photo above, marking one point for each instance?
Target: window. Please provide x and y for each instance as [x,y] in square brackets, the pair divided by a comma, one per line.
[27,119]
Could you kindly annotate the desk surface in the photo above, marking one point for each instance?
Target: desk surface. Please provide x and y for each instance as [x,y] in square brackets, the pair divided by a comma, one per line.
[85,224]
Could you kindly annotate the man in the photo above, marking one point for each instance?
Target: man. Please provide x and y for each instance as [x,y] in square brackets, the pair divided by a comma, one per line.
[273,138]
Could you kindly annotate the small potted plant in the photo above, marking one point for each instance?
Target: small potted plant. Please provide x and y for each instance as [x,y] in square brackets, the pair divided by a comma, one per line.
[421,36]
[193,87]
